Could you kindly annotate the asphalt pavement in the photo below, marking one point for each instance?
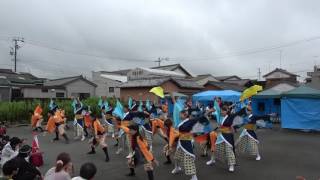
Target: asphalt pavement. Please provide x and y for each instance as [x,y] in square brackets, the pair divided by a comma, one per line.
[285,155]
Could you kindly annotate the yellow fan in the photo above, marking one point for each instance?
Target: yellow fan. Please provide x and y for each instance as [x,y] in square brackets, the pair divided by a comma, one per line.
[253,90]
[157,91]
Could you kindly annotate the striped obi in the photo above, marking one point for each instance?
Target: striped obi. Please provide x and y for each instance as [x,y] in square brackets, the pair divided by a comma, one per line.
[185,136]
[250,127]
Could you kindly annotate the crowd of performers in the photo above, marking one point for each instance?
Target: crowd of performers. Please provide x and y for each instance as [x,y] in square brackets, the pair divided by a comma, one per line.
[133,126]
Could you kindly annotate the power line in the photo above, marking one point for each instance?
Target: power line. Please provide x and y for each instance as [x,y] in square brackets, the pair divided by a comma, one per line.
[256,50]
[34,43]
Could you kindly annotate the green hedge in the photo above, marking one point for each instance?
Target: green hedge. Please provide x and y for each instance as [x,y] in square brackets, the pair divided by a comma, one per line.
[18,111]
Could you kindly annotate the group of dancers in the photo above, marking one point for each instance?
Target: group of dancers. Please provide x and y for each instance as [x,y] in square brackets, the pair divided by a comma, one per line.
[134,125]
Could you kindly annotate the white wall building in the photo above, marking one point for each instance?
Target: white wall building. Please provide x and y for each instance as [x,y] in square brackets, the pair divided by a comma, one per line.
[108,83]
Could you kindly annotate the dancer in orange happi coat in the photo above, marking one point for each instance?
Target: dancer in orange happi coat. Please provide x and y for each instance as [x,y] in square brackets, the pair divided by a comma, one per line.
[56,123]
[36,119]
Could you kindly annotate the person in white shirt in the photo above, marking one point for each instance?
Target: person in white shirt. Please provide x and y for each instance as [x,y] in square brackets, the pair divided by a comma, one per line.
[10,150]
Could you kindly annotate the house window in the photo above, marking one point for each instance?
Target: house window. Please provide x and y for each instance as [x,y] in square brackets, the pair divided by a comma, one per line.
[84,95]
[44,90]
[60,94]
[111,89]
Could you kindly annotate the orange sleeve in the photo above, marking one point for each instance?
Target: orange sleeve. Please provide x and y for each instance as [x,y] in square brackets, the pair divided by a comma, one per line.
[125,129]
[213,139]
[95,127]
[144,149]
[173,135]
[33,121]
[51,125]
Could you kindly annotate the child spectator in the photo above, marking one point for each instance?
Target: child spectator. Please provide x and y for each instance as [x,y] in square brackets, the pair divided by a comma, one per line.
[62,170]
[9,169]
[87,172]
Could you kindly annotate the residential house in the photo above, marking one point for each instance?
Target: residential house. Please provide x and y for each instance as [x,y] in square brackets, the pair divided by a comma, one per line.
[280,76]
[214,85]
[76,86]
[12,84]
[108,83]
[5,89]
[204,79]
[139,89]
[314,79]
[283,87]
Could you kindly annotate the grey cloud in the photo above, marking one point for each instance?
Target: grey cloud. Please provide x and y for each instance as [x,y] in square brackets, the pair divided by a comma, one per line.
[192,33]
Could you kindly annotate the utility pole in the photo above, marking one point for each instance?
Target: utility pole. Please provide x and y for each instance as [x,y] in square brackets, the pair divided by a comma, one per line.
[160,59]
[259,74]
[280,58]
[13,51]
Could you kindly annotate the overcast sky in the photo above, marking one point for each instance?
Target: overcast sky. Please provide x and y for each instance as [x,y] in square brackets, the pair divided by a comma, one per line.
[72,37]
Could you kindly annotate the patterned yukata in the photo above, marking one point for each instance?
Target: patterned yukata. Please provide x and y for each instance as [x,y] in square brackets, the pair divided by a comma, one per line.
[248,141]
[184,154]
[225,140]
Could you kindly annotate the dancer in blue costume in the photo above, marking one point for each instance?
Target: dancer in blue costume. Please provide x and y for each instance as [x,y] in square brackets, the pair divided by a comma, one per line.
[248,140]
[225,149]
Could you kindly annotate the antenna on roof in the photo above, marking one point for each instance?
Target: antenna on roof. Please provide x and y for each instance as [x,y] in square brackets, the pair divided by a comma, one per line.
[160,59]
[280,58]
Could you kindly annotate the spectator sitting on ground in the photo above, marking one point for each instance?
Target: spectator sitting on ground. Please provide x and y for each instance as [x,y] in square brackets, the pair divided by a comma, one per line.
[62,170]
[26,169]
[87,172]
[9,169]
[10,150]
[4,141]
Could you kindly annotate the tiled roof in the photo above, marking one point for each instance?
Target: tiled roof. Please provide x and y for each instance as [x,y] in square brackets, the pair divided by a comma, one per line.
[173,67]
[65,81]
[280,70]
[184,83]
[226,86]
[223,78]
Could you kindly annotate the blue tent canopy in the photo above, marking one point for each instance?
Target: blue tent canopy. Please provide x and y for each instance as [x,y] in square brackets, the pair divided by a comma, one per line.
[226,95]
[300,109]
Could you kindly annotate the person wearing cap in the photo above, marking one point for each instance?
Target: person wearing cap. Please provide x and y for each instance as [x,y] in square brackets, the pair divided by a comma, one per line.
[248,140]
[10,150]
[99,138]
[26,169]
[141,152]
